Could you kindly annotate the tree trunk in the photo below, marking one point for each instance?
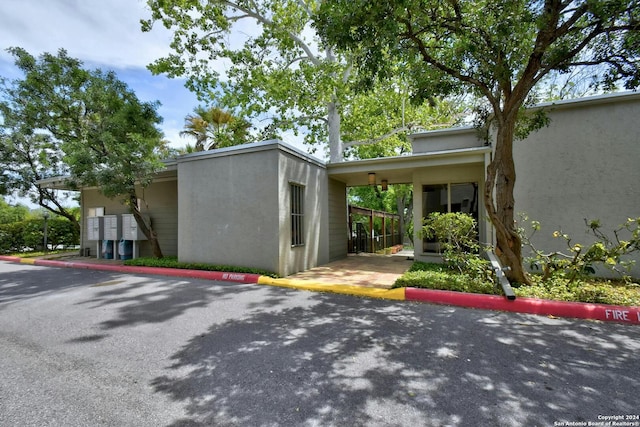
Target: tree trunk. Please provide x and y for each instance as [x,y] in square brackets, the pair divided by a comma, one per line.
[501,176]
[147,229]
[333,124]
[46,199]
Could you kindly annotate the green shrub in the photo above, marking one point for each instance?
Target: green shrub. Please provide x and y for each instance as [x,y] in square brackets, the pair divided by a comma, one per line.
[33,233]
[427,266]
[172,262]
[457,235]
[438,276]
[11,239]
[62,233]
[593,291]
[558,288]
[580,260]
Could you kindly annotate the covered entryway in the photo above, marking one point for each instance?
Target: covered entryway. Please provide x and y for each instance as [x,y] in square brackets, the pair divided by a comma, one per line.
[448,165]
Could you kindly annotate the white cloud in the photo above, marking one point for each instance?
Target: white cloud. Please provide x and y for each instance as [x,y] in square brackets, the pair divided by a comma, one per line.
[104,32]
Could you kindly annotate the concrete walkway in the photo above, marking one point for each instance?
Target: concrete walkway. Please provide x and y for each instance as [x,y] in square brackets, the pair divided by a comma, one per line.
[368,270]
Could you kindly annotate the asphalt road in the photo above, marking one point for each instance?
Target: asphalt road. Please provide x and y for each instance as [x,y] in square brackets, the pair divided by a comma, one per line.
[90,348]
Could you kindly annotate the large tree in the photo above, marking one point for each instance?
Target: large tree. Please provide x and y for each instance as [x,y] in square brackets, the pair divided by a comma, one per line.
[497,50]
[274,68]
[29,153]
[86,124]
[265,58]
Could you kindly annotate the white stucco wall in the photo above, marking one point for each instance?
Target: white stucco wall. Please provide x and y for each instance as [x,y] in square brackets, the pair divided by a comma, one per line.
[585,164]
[292,169]
[235,208]
[445,140]
[229,209]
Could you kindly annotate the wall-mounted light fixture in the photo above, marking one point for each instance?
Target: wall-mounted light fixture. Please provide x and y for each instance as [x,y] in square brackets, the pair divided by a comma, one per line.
[372,178]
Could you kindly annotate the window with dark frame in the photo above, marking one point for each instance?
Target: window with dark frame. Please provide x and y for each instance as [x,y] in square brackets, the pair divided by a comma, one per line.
[297,214]
[452,197]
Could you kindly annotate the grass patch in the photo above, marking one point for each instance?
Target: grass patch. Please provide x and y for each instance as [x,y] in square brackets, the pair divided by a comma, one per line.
[33,254]
[591,290]
[172,262]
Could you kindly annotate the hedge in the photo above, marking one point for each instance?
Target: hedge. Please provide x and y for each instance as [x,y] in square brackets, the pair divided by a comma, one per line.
[29,235]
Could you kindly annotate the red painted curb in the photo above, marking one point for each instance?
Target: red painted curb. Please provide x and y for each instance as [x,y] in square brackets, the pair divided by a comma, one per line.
[173,272]
[604,312]
[579,310]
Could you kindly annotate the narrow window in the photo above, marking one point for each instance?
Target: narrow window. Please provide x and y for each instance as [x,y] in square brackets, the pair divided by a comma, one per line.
[297,215]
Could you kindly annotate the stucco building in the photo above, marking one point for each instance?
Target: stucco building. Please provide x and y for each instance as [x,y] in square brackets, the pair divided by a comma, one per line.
[268,205]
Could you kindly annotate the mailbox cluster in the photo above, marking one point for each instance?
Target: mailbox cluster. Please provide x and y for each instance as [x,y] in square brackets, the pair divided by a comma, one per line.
[116,236]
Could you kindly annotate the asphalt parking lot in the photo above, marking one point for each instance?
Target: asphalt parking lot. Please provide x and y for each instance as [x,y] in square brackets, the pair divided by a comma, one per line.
[82,347]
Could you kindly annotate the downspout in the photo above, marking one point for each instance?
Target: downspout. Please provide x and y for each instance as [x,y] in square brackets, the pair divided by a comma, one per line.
[82,222]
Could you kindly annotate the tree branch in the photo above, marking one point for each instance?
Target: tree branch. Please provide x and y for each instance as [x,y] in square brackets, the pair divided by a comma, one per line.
[266,21]
[411,35]
[406,128]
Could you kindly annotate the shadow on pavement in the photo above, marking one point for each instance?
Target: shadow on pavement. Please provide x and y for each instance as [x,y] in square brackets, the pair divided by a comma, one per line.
[36,281]
[165,300]
[360,362]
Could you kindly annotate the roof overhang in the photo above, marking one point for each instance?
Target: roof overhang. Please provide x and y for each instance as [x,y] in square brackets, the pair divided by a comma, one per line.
[168,173]
[399,170]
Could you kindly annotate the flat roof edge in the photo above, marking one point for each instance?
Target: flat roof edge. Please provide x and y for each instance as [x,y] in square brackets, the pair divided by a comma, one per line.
[606,98]
[588,100]
[449,131]
[254,147]
[412,158]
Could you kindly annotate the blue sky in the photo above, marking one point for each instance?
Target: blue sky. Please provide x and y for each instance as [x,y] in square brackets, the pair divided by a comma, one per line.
[103,34]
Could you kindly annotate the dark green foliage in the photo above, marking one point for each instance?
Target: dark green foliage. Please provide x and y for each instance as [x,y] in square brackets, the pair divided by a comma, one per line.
[438,276]
[87,125]
[428,266]
[11,239]
[457,234]
[9,213]
[172,262]
[29,234]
